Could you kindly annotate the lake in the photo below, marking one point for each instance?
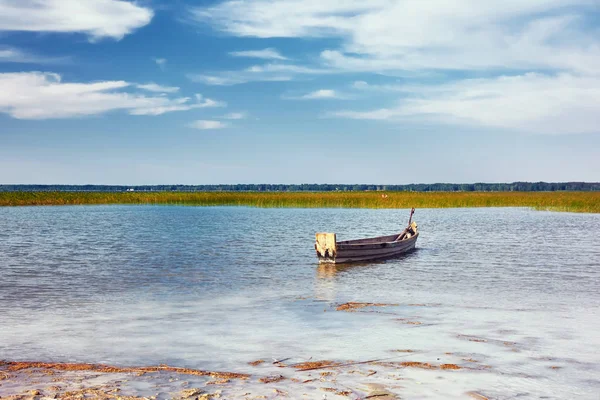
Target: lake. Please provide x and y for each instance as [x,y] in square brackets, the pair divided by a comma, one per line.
[515,291]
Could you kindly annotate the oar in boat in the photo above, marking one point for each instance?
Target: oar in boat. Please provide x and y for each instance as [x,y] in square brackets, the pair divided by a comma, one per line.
[405,231]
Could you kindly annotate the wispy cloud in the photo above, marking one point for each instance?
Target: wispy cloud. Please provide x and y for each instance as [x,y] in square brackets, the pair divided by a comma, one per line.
[14,55]
[387,87]
[230,78]
[286,68]
[235,115]
[272,72]
[214,80]
[383,35]
[380,114]
[318,95]
[178,104]
[153,87]
[264,18]
[267,54]
[37,95]
[365,86]
[360,85]
[546,52]
[96,18]
[161,62]
[535,103]
[11,55]
[204,124]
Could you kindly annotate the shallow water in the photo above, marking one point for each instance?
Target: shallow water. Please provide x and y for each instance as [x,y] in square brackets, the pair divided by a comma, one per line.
[516,290]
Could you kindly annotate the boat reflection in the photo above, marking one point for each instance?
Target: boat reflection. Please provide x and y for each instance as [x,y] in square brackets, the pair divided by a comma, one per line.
[329,271]
[328,274]
[325,282]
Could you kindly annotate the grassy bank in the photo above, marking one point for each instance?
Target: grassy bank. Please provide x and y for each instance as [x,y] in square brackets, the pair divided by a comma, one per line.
[557,201]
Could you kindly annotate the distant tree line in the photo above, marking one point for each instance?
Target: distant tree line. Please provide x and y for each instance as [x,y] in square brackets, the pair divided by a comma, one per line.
[305,187]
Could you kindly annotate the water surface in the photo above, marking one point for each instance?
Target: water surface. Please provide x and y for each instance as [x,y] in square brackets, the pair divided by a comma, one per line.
[518,290]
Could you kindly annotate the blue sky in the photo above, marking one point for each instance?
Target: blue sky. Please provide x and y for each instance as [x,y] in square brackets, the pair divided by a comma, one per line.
[299,91]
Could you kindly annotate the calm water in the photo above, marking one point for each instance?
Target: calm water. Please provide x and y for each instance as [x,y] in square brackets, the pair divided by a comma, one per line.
[218,287]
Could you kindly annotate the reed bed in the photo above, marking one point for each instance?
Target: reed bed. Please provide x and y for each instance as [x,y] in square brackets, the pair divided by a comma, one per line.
[588,202]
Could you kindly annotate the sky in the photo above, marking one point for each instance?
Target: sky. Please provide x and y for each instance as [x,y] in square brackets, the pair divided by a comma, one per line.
[299,91]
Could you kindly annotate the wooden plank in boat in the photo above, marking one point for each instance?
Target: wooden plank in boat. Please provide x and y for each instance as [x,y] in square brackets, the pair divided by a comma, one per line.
[342,260]
[373,246]
[398,247]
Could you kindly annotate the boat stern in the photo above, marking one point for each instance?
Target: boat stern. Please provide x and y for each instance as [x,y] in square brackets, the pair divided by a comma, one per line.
[326,247]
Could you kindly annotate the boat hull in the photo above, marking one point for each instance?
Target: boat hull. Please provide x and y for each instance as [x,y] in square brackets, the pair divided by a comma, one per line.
[368,249]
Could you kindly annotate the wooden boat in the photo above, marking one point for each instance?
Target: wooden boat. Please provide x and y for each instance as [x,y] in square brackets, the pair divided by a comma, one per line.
[331,251]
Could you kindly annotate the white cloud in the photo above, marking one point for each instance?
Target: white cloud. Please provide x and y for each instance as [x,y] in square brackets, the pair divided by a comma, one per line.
[257,73]
[267,54]
[161,62]
[386,35]
[207,124]
[153,87]
[14,55]
[8,54]
[38,95]
[235,115]
[321,94]
[535,103]
[360,85]
[317,95]
[379,114]
[209,102]
[387,87]
[286,68]
[230,78]
[544,51]
[281,18]
[214,80]
[97,18]
[178,104]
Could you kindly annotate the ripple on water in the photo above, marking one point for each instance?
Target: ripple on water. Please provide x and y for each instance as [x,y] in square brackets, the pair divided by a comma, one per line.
[511,296]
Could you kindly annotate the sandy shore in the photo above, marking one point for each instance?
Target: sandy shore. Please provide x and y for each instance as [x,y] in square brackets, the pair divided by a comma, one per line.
[380,379]
[458,372]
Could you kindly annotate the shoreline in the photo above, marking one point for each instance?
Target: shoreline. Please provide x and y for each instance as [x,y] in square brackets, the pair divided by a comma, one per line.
[579,202]
[474,369]
[397,374]
[381,379]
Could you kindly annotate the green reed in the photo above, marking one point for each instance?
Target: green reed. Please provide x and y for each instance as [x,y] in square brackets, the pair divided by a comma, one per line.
[588,202]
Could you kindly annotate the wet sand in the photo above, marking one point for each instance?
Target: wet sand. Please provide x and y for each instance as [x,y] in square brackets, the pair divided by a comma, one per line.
[406,373]
[265,380]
